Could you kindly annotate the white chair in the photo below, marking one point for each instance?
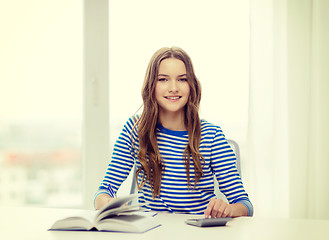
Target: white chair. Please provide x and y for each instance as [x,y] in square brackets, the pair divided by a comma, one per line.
[234,145]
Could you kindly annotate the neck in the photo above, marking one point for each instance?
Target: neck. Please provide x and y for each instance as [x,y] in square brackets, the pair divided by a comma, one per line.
[175,122]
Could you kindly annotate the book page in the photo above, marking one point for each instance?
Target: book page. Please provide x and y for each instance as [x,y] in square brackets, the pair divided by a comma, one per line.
[83,220]
[115,211]
[117,202]
[128,223]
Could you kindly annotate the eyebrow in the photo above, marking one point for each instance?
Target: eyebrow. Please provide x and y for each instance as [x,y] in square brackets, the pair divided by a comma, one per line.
[165,75]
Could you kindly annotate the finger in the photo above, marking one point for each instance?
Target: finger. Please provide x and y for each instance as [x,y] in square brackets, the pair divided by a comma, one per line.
[215,210]
[225,211]
[231,211]
[209,208]
[221,208]
[228,212]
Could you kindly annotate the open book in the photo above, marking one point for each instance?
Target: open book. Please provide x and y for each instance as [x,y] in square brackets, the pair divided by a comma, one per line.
[115,216]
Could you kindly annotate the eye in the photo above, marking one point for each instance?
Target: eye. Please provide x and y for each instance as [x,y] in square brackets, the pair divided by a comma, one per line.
[162,79]
[183,79]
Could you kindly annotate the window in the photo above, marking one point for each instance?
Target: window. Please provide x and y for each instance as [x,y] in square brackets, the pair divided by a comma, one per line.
[41,102]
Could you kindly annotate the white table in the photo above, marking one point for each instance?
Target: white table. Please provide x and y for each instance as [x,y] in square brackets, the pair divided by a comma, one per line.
[32,223]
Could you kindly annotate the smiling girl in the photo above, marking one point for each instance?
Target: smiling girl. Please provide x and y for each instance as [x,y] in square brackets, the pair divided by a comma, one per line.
[176,154]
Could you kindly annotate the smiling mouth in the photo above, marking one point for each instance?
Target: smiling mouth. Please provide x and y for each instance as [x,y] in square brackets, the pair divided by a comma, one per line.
[173,98]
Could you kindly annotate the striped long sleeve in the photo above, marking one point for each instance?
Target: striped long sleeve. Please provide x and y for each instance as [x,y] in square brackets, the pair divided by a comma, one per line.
[176,195]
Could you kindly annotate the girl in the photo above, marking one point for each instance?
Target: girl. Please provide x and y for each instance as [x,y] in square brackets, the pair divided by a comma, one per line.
[176,154]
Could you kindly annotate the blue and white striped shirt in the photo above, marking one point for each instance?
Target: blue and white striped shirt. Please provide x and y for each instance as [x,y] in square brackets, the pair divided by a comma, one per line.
[175,194]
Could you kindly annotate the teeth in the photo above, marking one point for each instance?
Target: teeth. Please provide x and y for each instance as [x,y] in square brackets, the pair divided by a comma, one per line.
[173,98]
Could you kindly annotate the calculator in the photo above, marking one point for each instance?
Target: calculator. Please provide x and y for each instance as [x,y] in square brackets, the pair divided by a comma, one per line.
[208,222]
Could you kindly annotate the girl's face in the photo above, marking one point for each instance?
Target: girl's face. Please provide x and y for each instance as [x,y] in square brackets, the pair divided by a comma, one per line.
[172,89]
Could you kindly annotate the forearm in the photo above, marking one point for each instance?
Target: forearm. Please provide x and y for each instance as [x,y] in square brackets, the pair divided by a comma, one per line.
[101,200]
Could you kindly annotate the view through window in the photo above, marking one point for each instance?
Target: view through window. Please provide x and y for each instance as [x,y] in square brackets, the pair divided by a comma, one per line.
[40,102]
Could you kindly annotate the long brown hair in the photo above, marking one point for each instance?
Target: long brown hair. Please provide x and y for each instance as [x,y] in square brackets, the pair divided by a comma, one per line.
[149,154]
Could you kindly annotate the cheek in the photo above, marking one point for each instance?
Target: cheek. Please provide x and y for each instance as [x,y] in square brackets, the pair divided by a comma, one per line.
[188,93]
[187,90]
[157,91]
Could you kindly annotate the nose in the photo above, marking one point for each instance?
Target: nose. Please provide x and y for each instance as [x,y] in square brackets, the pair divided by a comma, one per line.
[173,87]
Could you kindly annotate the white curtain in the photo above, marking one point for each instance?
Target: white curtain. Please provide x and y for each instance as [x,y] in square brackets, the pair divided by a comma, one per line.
[288,135]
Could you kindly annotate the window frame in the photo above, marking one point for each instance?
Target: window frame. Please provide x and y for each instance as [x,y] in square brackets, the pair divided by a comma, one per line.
[95,137]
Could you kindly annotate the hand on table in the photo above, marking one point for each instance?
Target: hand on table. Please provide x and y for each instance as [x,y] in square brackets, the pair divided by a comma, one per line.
[218,208]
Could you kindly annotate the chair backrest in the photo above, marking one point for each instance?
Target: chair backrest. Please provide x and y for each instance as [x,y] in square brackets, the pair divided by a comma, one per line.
[235,147]
[133,188]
